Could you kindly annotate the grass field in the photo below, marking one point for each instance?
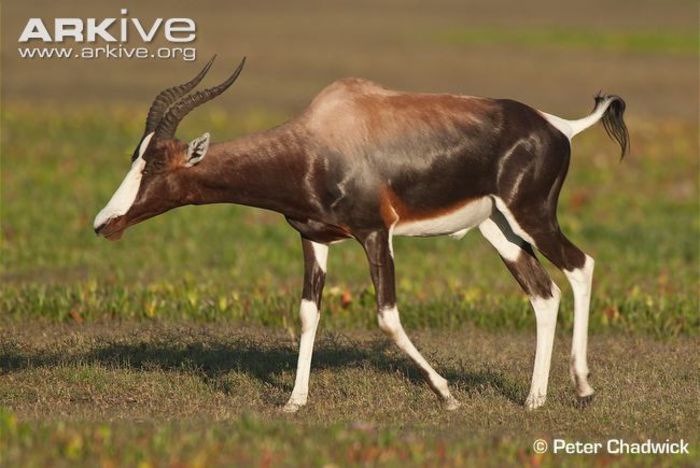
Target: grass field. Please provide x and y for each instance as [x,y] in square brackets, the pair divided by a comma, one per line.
[170,267]
[178,342]
[210,393]
[177,345]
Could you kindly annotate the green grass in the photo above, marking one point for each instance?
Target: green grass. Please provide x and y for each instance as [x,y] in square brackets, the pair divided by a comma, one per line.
[177,344]
[639,42]
[248,441]
[638,219]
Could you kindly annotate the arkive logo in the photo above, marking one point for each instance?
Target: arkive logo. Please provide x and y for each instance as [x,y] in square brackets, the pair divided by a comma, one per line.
[88,30]
[115,33]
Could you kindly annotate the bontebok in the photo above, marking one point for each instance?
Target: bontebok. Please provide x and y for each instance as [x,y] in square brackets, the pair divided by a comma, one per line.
[367,163]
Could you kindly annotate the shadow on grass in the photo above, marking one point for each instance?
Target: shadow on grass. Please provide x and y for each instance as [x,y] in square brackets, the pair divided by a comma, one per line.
[265,362]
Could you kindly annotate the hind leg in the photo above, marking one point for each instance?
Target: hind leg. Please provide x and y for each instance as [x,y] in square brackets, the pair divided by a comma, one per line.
[544,296]
[578,268]
[581,280]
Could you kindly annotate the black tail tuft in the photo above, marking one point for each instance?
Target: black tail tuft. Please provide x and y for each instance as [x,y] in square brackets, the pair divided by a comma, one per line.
[613,121]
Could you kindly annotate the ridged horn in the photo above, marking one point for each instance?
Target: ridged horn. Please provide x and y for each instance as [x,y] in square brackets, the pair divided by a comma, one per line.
[168,124]
[170,95]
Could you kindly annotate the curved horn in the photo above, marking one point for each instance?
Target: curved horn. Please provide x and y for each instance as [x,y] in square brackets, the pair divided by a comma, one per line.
[168,125]
[170,95]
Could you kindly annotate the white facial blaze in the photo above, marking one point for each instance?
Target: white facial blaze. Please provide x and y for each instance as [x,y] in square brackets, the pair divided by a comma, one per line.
[125,195]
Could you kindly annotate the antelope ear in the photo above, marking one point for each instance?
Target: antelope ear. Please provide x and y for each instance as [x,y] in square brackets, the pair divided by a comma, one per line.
[197,149]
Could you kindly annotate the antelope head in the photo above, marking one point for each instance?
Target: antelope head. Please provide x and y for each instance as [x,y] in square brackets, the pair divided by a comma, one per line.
[157,179]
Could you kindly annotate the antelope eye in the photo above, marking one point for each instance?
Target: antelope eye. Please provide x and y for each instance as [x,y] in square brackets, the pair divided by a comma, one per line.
[153,166]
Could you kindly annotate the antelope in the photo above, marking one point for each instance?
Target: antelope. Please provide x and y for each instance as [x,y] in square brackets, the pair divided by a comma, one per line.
[368,163]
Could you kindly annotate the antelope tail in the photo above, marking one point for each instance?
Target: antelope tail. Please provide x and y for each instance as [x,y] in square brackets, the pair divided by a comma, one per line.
[610,109]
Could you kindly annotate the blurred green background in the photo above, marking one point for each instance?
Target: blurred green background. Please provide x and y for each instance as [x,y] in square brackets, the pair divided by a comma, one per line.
[69,126]
[549,54]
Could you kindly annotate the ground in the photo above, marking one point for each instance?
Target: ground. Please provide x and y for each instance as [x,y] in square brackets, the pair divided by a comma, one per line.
[177,344]
[204,391]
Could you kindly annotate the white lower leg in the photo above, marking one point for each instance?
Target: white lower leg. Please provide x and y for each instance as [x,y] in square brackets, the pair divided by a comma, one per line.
[309,323]
[546,314]
[390,323]
[581,282]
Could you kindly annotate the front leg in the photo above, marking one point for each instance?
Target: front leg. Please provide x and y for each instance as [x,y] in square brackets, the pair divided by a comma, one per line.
[377,245]
[315,256]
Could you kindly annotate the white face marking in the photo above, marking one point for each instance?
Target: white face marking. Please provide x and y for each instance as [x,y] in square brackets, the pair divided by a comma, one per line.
[124,197]
[465,217]
[546,314]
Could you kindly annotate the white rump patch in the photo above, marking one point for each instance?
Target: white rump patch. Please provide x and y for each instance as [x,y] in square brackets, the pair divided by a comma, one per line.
[124,197]
[455,223]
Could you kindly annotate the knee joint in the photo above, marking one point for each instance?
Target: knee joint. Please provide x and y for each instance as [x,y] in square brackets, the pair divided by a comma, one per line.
[556,293]
[389,321]
[308,312]
[546,308]
[582,275]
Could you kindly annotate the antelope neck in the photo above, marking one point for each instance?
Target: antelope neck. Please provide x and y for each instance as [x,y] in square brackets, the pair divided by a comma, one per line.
[264,170]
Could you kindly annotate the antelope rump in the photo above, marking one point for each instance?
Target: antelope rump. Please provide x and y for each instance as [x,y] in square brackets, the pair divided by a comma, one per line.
[368,163]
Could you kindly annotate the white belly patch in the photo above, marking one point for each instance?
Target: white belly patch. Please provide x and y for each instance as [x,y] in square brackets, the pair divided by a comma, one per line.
[455,223]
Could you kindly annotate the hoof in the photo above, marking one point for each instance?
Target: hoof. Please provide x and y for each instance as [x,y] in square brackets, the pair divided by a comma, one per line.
[535,401]
[451,404]
[584,401]
[292,407]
